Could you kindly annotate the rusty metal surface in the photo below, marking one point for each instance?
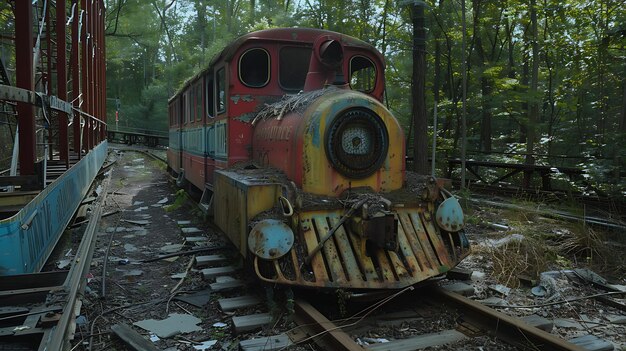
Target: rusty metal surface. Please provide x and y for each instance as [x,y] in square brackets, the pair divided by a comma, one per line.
[345,261]
[510,329]
[270,239]
[450,215]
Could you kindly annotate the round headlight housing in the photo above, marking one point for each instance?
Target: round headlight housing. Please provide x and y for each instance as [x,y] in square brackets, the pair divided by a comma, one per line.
[357,142]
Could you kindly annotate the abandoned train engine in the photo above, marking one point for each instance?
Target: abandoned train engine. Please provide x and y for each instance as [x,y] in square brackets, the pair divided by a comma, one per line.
[316,193]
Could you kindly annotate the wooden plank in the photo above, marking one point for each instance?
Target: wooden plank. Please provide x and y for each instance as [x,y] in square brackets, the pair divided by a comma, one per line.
[210,273]
[251,322]
[271,343]
[132,338]
[233,303]
[420,341]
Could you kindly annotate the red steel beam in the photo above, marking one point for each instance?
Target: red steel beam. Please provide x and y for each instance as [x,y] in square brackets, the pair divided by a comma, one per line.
[47,53]
[84,73]
[74,68]
[24,79]
[62,81]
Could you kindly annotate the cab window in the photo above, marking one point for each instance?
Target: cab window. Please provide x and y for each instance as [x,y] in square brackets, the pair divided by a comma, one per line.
[293,67]
[254,68]
[198,90]
[362,74]
[210,96]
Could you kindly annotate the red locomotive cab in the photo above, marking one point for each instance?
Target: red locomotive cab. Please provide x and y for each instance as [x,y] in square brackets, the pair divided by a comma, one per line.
[329,139]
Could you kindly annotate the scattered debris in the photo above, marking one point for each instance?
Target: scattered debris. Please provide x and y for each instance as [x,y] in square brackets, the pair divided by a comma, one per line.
[173,325]
[130,248]
[136,221]
[62,264]
[163,201]
[198,299]
[132,338]
[179,275]
[171,248]
[205,345]
[190,230]
[501,289]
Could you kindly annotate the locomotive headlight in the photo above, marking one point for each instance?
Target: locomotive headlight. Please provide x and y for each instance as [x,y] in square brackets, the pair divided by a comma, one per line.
[357,142]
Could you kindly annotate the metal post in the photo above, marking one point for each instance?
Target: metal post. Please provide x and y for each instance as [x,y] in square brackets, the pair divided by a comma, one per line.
[48,81]
[74,67]
[62,81]
[103,113]
[24,80]
[85,73]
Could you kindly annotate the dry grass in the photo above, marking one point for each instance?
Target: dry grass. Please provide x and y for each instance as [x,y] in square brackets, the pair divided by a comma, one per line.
[527,257]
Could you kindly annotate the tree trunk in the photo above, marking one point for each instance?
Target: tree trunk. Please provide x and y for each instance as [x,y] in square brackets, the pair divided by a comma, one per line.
[420,122]
[485,85]
[533,112]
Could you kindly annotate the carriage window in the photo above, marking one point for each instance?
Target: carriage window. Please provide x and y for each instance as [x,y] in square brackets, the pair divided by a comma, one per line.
[362,74]
[184,109]
[210,92]
[220,81]
[198,90]
[254,68]
[294,66]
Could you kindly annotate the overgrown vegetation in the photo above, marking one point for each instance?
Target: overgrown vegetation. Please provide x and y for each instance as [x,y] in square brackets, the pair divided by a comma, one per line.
[557,92]
[534,244]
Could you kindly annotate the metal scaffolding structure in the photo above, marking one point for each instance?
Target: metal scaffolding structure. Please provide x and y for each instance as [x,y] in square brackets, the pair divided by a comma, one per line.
[58,91]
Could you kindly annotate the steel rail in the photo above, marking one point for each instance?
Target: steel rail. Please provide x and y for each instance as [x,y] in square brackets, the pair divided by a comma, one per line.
[76,281]
[324,332]
[510,329]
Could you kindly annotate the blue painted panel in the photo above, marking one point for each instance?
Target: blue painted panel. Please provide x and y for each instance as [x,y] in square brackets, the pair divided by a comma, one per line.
[28,237]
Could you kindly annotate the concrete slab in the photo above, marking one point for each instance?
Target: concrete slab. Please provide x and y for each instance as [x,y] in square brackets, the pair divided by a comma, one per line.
[251,322]
[190,230]
[272,343]
[459,274]
[234,303]
[420,341]
[226,285]
[173,325]
[205,261]
[197,299]
[132,338]
[592,343]
[539,322]
[460,288]
[209,273]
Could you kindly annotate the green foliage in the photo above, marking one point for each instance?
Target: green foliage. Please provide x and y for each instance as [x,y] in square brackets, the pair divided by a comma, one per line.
[156,45]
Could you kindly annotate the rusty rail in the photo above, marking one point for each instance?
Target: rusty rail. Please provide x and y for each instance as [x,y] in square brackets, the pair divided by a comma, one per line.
[509,329]
[324,332]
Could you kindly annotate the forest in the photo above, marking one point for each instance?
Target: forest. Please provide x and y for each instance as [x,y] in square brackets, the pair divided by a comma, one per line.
[546,79]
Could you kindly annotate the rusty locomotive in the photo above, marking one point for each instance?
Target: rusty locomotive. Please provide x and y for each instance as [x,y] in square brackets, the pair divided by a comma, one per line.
[304,169]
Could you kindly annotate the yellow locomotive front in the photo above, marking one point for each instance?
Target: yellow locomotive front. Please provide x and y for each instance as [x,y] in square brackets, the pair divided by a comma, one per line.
[327,201]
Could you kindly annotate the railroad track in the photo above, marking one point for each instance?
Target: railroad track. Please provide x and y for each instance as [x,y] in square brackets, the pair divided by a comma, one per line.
[475,319]
[38,311]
